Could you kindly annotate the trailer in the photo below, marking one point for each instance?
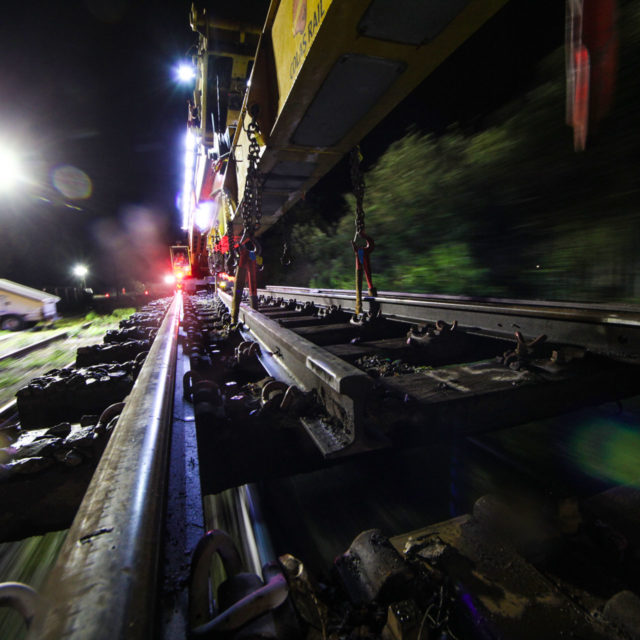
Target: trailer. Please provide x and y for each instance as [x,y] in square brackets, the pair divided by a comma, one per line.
[20,304]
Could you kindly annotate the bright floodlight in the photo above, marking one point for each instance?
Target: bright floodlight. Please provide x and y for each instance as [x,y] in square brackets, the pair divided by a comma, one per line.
[169,279]
[80,271]
[186,72]
[10,171]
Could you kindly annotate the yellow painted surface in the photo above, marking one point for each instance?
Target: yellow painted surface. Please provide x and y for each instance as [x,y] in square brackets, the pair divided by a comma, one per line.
[294,29]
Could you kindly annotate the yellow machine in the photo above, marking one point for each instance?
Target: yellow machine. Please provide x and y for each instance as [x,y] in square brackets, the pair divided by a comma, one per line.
[317,75]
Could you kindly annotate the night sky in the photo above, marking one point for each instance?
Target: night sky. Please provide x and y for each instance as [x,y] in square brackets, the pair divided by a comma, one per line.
[89,84]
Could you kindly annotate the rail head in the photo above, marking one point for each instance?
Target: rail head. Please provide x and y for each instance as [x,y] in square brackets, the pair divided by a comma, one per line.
[104,582]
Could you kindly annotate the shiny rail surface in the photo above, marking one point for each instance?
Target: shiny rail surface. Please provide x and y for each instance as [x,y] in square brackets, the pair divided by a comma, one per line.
[611,331]
[104,582]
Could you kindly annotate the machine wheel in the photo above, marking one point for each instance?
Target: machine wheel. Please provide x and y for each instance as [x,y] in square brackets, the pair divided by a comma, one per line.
[11,323]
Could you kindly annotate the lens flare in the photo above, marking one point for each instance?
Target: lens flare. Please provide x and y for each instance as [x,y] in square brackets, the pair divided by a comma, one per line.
[71,182]
[608,449]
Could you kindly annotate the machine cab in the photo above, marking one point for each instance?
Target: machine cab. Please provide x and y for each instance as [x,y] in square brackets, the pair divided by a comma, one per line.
[180,262]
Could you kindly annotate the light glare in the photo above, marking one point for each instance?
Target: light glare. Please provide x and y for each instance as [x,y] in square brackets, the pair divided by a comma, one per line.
[10,171]
[186,72]
[203,215]
[80,271]
[187,186]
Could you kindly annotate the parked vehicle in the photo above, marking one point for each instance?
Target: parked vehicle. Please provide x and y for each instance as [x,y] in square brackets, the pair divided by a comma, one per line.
[20,305]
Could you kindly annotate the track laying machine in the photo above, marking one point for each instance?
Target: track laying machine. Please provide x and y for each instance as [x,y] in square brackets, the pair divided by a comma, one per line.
[284,89]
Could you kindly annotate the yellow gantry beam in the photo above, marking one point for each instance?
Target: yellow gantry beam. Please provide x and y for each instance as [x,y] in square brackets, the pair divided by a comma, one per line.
[327,72]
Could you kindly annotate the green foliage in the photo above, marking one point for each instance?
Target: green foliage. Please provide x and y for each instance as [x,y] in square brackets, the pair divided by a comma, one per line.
[115,316]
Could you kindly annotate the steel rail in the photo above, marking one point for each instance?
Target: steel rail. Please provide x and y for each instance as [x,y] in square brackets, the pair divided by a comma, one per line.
[607,330]
[627,308]
[341,386]
[105,580]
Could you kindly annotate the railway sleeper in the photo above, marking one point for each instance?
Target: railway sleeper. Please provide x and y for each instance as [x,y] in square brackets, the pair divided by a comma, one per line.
[441,381]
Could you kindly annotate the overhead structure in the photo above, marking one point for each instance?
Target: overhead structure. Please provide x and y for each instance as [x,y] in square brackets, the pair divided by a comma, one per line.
[319,75]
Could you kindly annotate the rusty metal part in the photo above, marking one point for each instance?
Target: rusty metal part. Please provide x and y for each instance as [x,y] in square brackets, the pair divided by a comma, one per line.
[524,350]
[425,335]
[104,582]
[372,570]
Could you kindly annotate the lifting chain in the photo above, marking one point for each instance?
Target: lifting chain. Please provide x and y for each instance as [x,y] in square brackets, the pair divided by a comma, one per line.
[215,258]
[249,252]
[286,258]
[357,182]
[252,200]
[231,259]
[363,264]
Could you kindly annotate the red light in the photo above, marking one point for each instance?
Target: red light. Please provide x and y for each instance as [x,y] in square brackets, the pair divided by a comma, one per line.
[107,295]
[146,293]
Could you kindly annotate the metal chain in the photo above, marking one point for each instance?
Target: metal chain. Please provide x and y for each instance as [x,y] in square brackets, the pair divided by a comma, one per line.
[252,200]
[286,258]
[230,257]
[212,256]
[357,182]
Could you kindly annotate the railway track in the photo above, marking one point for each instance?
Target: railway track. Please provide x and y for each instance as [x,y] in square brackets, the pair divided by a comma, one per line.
[299,428]
[35,346]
